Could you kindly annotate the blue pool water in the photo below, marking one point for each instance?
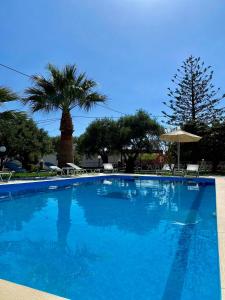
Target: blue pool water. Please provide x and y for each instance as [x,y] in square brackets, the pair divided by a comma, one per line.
[113,239]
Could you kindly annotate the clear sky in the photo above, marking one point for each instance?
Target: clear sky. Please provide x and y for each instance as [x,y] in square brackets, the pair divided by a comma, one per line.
[130,47]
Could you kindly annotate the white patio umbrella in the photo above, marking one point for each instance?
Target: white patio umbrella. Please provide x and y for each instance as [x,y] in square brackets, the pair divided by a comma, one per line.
[179,136]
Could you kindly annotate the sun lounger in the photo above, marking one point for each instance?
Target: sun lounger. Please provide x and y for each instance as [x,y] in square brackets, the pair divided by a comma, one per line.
[192,169]
[6,174]
[166,169]
[72,168]
[56,169]
[108,168]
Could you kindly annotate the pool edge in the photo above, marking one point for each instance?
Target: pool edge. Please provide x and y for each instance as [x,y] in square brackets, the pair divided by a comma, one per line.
[220,207]
[23,184]
[10,291]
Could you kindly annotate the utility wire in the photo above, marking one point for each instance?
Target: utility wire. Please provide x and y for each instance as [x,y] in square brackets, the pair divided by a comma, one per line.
[85,117]
[24,74]
[107,107]
[101,105]
[14,70]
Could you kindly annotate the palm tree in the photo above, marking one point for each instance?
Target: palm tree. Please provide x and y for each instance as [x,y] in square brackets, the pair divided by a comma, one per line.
[63,90]
[6,95]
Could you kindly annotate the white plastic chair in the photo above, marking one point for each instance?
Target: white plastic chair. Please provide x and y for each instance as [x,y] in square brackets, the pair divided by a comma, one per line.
[7,175]
[108,167]
[74,168]
[56,169]
[192,169]
[166,168]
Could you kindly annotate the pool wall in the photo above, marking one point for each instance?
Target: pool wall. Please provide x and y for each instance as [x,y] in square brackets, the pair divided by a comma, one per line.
[19,186]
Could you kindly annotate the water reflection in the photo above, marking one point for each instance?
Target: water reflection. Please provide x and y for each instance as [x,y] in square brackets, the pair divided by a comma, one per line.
[46,255]
[137,206]
[38,264]
[14,212]
[64,219]
[35,261]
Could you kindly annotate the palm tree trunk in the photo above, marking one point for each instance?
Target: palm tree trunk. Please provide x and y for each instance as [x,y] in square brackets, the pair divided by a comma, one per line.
[65,154]
[105,158]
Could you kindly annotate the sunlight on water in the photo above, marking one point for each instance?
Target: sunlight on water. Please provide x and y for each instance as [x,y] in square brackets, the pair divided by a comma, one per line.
[113,239]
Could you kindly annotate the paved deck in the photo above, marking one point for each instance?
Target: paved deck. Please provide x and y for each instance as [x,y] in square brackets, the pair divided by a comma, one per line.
[220,207]
[12,291]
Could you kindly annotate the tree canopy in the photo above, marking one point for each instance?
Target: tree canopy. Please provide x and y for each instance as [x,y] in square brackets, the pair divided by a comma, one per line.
[193,98]
[99,138]
[7,95]
[137,134]
[23,139]
[210,147]
[129,136]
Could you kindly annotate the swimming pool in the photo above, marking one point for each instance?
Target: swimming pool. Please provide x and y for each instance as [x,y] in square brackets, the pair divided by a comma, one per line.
[112,238]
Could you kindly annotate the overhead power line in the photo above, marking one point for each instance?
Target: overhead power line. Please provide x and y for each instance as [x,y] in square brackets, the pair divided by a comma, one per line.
[101,105]
[107,107]
[14,70]
[29,76]
[57,119]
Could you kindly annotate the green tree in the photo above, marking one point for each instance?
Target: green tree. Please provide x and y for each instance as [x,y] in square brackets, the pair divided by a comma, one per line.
[7,95]
[194,97]
[23,139]
[137,134]
[63,90]
[215,143]
[212,145]
[99,136]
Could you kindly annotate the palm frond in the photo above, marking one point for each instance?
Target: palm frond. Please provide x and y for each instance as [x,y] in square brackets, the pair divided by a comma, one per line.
[91,100]
[64,89]
[69,72]
[7,95]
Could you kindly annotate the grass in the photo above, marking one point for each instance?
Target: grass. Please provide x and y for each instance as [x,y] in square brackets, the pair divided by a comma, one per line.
[29,175]
[45,174]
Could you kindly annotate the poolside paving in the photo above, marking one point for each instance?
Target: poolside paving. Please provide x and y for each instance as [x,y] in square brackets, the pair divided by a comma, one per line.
[12,291]
[220,205]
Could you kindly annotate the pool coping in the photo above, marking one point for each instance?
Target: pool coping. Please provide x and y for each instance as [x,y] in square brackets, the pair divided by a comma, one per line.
[61,181]
[220,208]
[12,291]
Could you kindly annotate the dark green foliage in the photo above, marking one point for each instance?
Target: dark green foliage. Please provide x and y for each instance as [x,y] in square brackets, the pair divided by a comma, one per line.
[23,139]
[137,134]
[212,145]
[55,143]
[99,136]
[129,136]
[194,97]
[7,95]
[33,175]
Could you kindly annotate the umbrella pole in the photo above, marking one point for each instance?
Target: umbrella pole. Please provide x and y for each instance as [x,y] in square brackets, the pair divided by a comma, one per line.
[178,155]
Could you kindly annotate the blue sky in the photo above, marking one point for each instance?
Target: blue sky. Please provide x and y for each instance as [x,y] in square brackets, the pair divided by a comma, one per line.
[130,47]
